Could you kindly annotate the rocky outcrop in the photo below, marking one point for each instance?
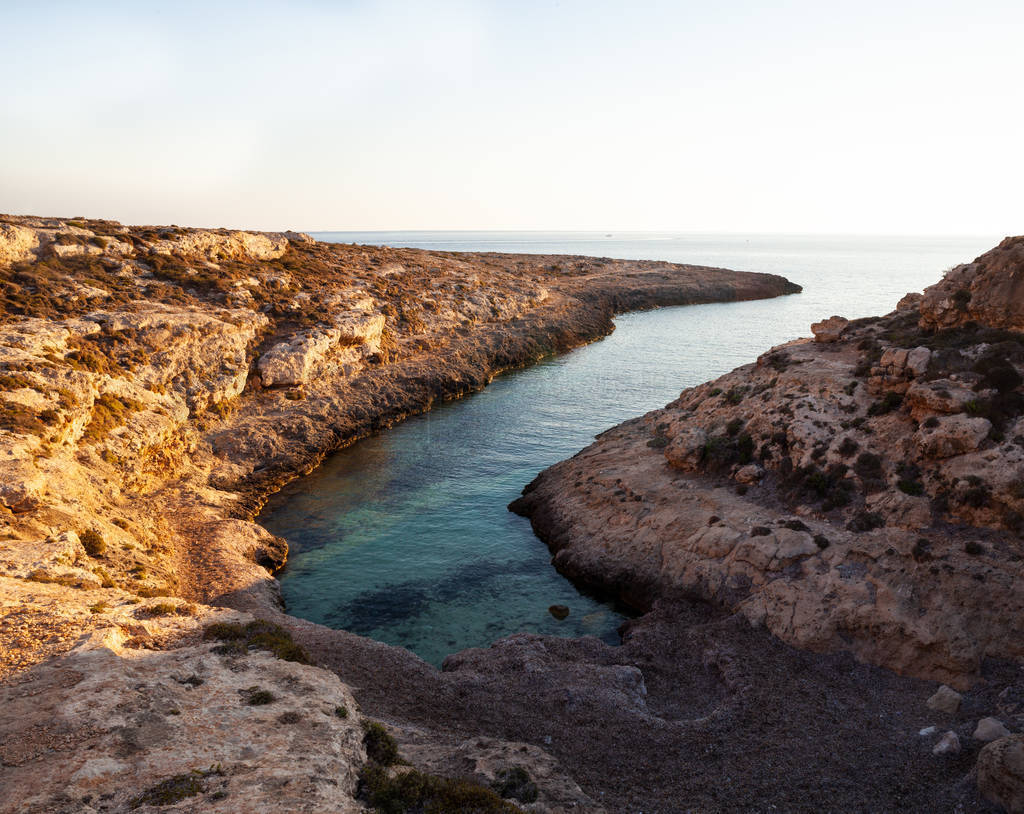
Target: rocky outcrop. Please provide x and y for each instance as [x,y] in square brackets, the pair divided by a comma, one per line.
[829,330]
[1001,773]
[862,495]
[17,244]
[142,421]
[25,239]
[141,715]
[989,291]
[222,245]
[355,337]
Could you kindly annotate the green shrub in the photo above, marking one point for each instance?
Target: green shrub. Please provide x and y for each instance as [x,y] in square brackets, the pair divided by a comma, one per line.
[910,487]
[257,697]
[865,521]
[175,789]
[413,791]
[93,542]
[868,465]
[258,634]
[889,403]
[380,746]
[514,782]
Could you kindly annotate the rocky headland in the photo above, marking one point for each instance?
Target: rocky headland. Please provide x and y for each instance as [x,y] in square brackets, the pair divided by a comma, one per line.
[859,492]
[156,384]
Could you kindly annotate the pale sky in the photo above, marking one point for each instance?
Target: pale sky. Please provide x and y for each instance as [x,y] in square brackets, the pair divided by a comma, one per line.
[732,116]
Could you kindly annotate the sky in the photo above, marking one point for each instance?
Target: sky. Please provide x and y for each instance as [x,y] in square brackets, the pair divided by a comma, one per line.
[733,116]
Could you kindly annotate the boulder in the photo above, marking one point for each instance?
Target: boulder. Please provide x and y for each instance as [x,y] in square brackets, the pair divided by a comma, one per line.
[686,449]
[1001,773]
[829,330]
[990,729]
[952,435]
[937,396]
[290,363]
[949,744]
[946,700]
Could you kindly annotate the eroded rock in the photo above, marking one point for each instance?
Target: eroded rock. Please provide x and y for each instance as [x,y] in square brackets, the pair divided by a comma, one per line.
[1001,773]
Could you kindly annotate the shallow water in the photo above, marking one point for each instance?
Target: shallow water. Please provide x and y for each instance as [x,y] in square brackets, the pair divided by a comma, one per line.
[405,537]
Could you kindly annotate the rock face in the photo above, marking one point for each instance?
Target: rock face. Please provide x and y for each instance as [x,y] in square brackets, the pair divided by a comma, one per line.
[829,330]
[192,731]
[848,495]
[989,291]
[17,244]
[156,383]
[1001,773]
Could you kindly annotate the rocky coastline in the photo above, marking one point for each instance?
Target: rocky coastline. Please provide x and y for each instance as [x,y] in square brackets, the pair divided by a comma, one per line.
[860,491]
[825,543]
[157,383]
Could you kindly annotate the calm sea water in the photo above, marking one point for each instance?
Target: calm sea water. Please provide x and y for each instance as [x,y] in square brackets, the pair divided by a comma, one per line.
[405,537]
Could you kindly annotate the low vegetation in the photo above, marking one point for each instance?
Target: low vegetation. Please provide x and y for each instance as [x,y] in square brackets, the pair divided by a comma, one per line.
[413,792]
[239,639]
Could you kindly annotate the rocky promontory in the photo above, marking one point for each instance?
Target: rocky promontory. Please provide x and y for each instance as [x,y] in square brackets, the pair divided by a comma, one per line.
[860,492]
[156,383]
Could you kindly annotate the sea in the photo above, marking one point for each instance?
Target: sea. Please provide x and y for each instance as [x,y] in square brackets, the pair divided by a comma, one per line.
[405,537]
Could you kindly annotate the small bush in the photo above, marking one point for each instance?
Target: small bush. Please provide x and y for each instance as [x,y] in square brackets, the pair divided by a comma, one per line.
[414,791]
[175,789]
[380,746]
[865,521]
[889,403]
[93,542]
[514,782]
[975,496]
[259,634]
[868,465]
[847,447]
[257,697]
[658,442]
[161,609]
[974,549]
[922,550]
[340,712]
[910,487]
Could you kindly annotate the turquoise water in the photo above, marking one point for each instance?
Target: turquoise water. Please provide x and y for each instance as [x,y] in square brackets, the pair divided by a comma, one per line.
[405,537]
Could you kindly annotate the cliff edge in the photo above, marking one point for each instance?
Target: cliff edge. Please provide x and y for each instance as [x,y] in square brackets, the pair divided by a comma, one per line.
[156,383]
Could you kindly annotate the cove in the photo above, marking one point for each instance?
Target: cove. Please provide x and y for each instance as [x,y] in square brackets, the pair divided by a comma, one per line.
[405,537]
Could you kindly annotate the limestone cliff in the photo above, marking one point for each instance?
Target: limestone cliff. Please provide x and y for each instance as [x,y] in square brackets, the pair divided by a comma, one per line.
[861,491]
[155,384]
